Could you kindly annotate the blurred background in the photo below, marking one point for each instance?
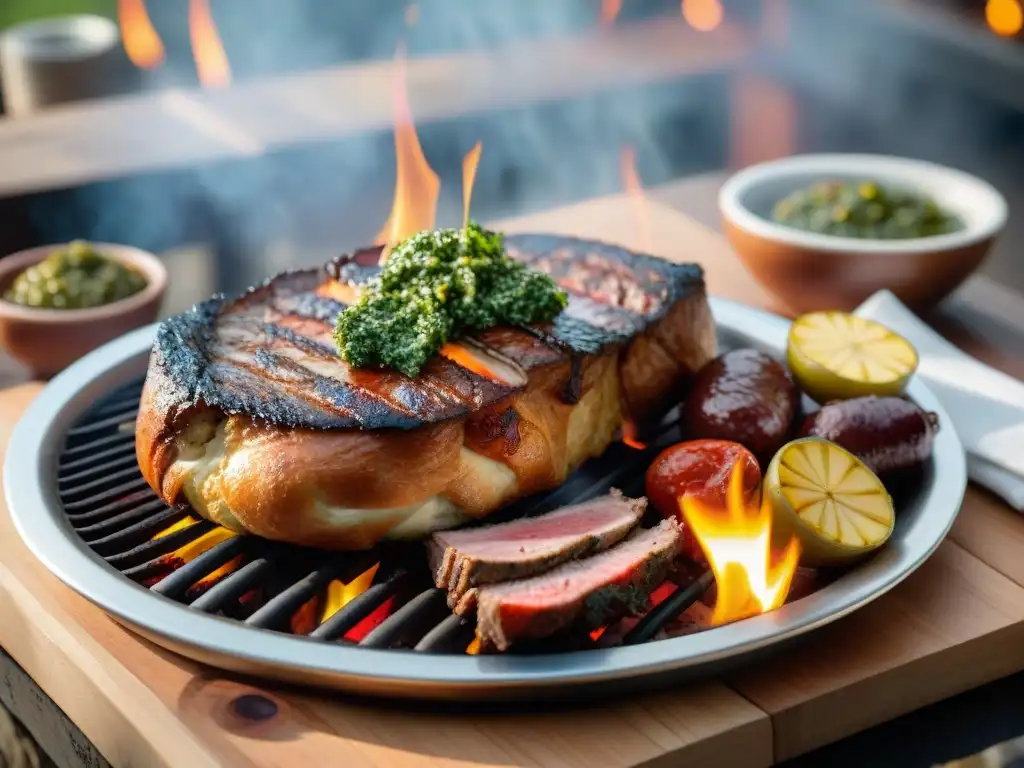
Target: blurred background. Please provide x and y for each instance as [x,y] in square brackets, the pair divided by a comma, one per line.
[240,138]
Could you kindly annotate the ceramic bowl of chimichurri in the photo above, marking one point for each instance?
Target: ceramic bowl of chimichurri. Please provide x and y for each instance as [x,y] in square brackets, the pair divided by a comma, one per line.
[58,302]
[828,231]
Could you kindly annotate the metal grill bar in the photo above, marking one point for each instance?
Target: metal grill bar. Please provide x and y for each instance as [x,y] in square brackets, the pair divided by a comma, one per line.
[165,545]
[232,587]
[127,449]
[130,501]
[125,417]
[135,525]
[121,464]
[108,495]
[281,608]
[129,474]
[409,622]
[176,584]
[360,607]
[453,635]
[88,449]
[112,508]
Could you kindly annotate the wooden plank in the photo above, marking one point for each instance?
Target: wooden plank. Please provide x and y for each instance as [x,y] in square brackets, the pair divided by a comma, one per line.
[58,742]
[106,139]
[141,705]
[953,625]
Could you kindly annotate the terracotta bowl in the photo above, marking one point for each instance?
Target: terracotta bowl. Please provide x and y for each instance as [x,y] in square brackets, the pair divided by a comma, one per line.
[809,271]
[48,340]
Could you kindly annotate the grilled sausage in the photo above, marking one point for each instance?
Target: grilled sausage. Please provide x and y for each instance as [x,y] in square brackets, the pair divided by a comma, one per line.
[886,433]
[744,396]
[702,469]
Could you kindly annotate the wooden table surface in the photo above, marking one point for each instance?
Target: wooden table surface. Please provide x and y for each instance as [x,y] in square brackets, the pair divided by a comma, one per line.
[955,624]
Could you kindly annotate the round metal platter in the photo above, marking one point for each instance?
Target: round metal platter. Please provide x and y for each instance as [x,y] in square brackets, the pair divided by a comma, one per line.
[30,469]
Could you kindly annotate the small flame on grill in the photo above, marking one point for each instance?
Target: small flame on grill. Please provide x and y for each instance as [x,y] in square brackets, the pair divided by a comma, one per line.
[339,594]
[469,164]
[631,435]
[703,15]
[1004,17]
[188,552]
[142,44]
[631,182]
[610,11]
[750,578]
[211,61]
[416,185]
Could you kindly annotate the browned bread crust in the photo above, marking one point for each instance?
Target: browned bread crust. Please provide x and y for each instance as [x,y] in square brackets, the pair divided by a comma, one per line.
[347,487]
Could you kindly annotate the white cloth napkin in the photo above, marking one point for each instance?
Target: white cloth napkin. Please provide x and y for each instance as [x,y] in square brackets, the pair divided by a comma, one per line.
[985,405]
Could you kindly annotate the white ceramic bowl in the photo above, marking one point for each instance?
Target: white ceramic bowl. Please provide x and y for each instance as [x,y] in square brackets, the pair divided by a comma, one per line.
[810,271]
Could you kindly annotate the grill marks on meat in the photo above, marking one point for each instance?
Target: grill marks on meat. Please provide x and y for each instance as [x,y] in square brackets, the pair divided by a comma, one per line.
[270,354]
[579,595]
[464,559]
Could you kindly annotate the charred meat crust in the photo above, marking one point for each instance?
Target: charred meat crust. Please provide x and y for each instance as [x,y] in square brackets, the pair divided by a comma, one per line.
[239,356]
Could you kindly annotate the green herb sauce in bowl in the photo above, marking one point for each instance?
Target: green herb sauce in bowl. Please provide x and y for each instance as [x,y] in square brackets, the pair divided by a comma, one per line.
[75,277]
[863,209]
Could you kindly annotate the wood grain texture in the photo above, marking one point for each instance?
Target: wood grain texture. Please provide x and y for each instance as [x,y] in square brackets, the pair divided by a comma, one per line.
[955,624]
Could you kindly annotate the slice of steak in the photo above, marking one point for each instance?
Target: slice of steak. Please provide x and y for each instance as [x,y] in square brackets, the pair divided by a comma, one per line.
[461,560]
[583,594]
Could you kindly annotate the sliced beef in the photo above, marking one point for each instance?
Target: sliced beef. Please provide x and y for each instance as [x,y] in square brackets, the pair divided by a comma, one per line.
[583,594]
[461,560]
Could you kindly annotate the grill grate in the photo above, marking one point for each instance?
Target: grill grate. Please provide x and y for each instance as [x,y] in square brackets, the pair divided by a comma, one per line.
[268,585]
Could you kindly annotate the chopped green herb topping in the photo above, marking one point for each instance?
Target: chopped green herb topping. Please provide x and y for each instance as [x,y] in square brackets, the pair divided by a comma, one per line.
[436,286]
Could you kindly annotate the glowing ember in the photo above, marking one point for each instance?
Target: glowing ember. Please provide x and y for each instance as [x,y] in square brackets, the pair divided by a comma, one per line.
[339,595]
[630,435]
[631,182]
[609,11]
[737,543]
[211,61]
[469,164]
[703,15]
[416,185]
[371,622]
[195,548]
[1004,17]
[141,42]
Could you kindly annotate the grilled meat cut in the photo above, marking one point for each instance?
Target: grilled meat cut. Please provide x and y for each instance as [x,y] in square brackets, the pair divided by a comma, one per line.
[529,546]
[249,414]
[583,594]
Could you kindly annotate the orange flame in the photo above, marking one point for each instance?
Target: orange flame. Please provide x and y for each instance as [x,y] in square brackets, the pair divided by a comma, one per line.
[631,435]
[609,11]
[198,546]
[737,543]
[339,594]
[141,42]
[211,61]
[416,185]
[703,15]
[635,190]
[474,647]
[469,164]
[1004,17]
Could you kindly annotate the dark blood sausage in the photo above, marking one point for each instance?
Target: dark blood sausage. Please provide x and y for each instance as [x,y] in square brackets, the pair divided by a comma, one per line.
[700,468]
[886,433]
[744,396]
